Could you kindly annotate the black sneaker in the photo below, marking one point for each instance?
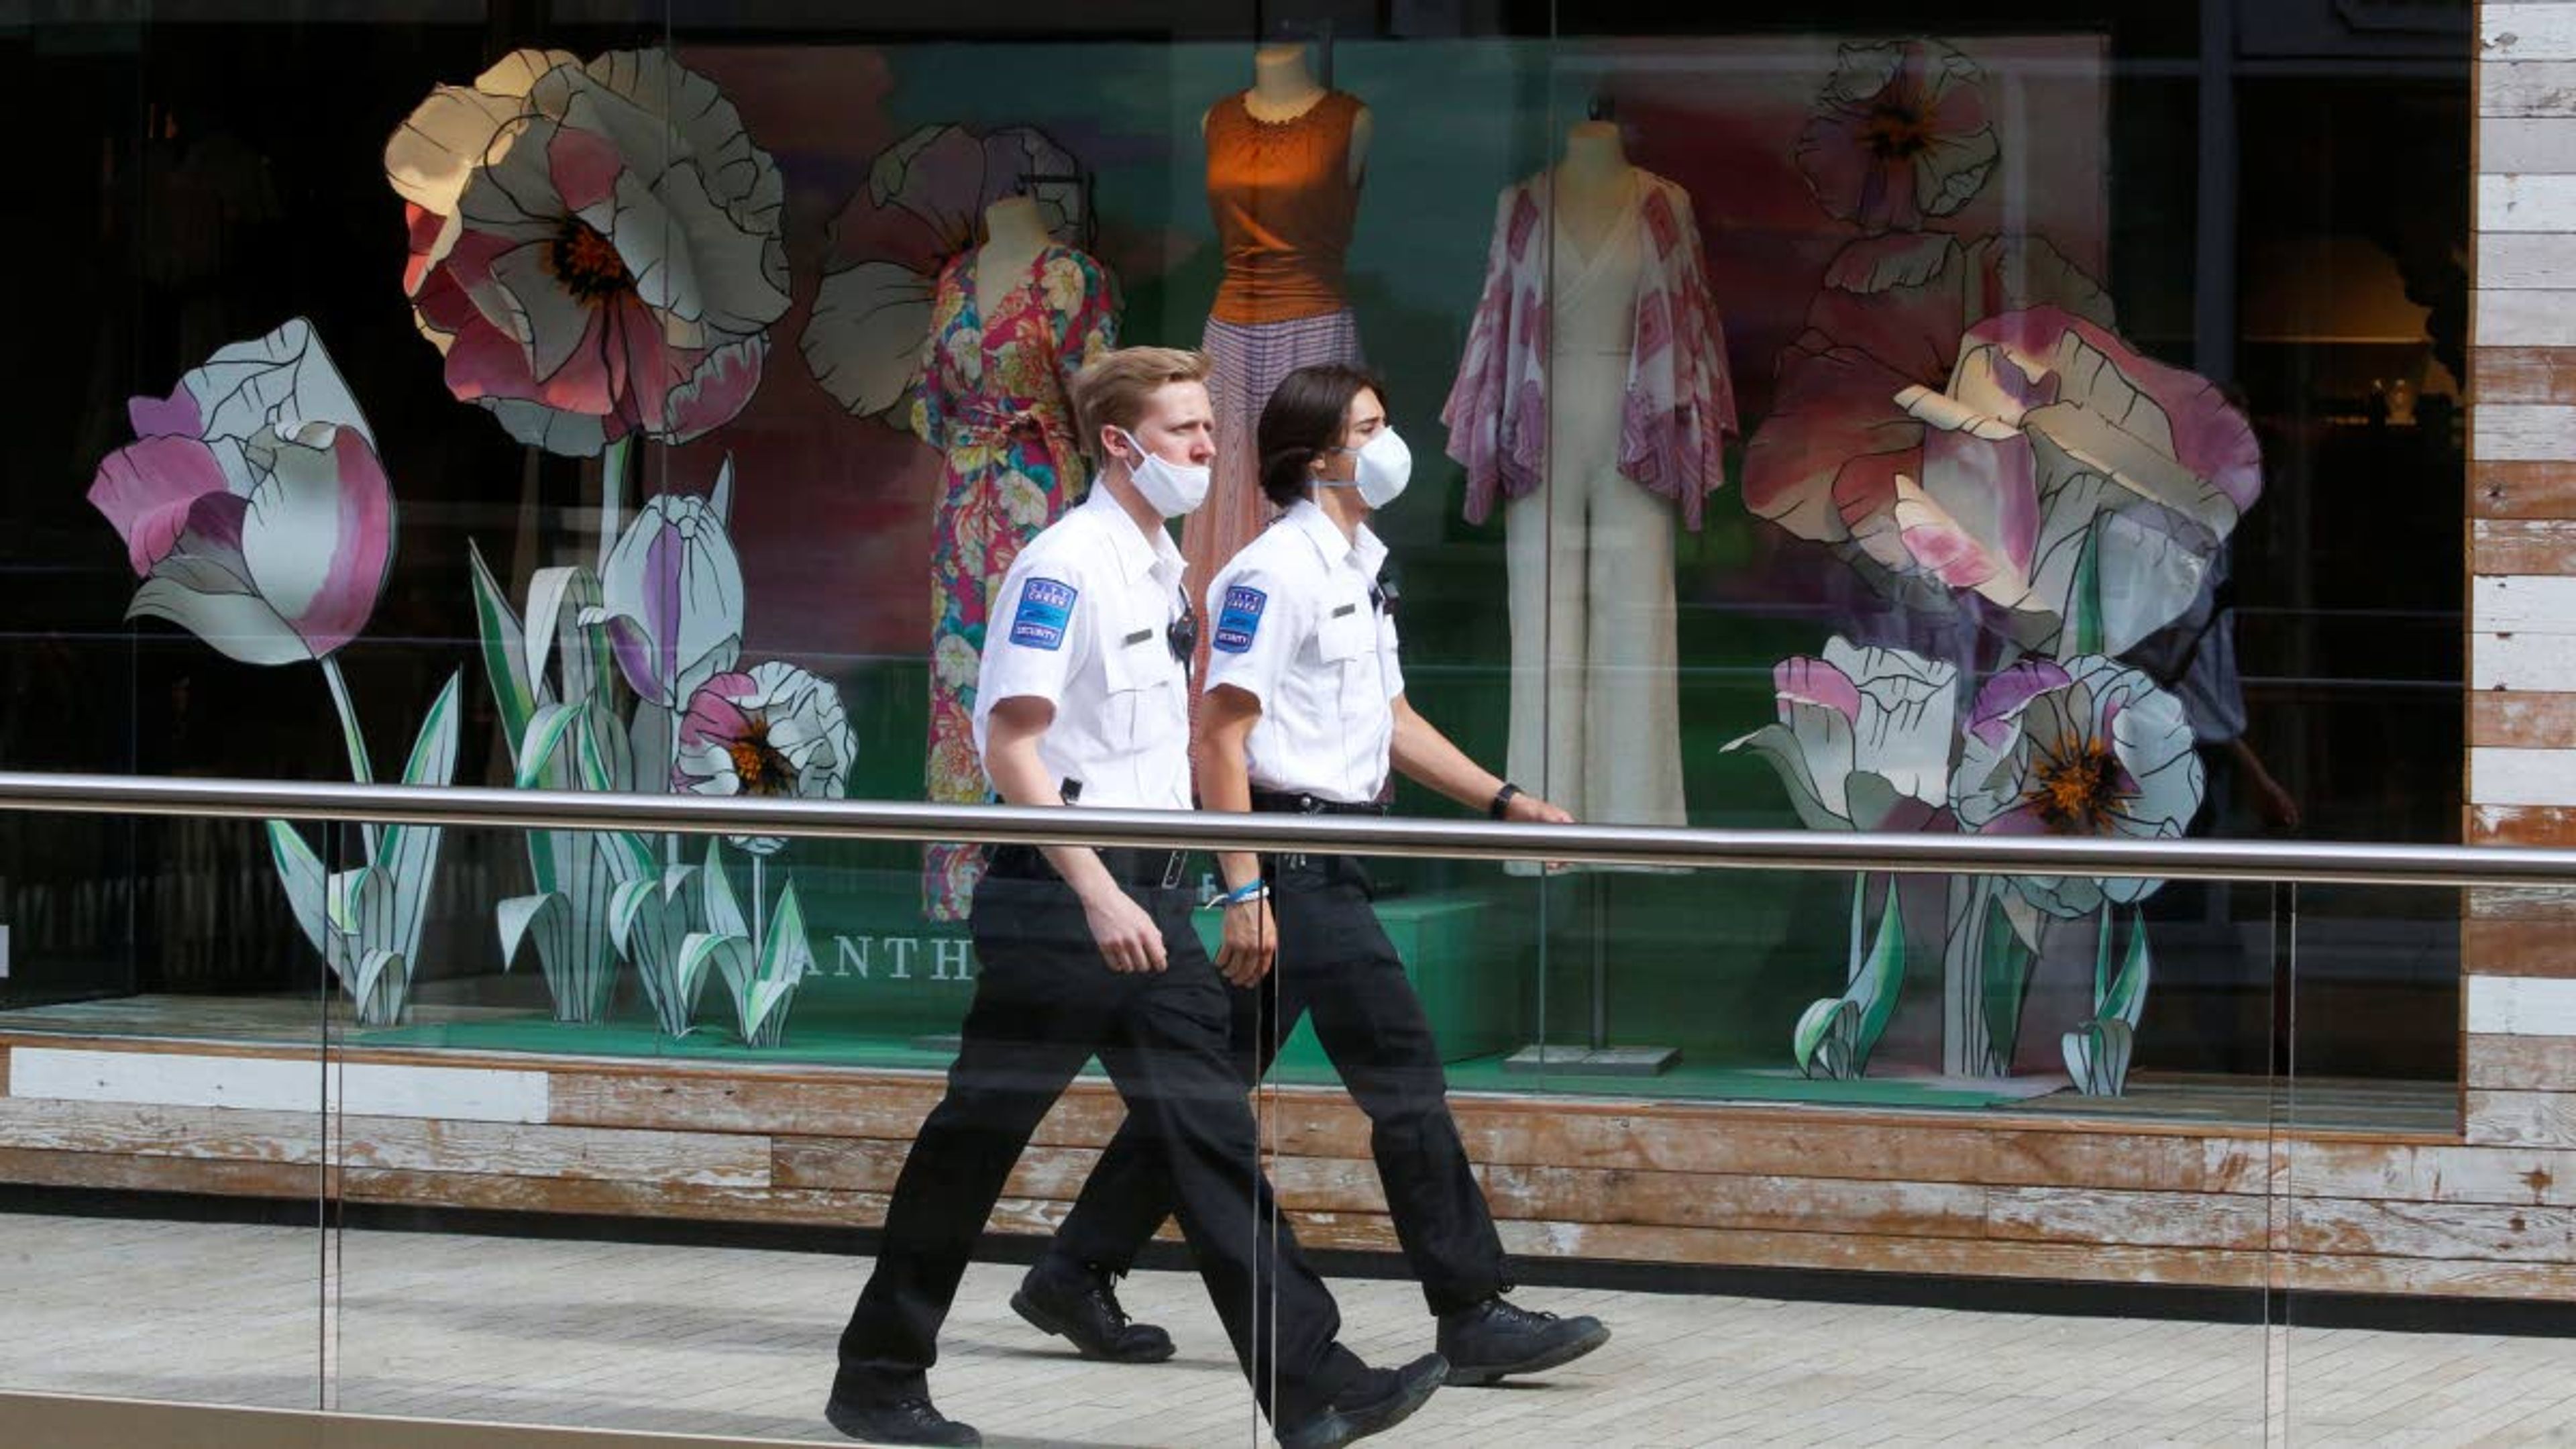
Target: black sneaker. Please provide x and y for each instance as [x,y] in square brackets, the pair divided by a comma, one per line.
[1494,1339]
[897,1421]
[1374,1402]
[1078,1304]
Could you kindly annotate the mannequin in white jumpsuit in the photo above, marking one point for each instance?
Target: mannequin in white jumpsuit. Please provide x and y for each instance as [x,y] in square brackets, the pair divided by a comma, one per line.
[1596,719]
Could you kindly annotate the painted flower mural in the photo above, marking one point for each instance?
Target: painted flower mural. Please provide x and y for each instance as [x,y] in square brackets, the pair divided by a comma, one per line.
[595,246]
[1864,737]
[665,614]
[254,507]
[444,140]
[2072,481]
[777,731]
[672,595]
[1863,742]
[1900,134]
[1960,422]
[1891,315]
[596,250]
[252,503]
[553,681]
[2086,747]
[923,203]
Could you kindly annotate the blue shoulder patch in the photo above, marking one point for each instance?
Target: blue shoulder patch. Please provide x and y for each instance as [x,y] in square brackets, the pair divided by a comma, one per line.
[1046,607]
[1239,620]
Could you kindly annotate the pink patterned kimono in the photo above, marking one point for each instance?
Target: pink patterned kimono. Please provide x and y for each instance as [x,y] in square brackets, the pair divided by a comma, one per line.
[1680,404]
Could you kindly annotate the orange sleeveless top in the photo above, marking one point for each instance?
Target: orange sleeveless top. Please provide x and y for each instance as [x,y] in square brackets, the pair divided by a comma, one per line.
[1283,202]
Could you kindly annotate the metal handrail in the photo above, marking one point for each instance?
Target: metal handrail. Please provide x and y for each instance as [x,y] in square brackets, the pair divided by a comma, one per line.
[26,792]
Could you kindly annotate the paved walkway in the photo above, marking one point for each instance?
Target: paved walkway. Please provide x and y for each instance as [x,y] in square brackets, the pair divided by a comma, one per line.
[738,1342]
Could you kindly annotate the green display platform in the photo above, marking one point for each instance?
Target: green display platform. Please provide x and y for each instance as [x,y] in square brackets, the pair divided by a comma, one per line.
[888,992]
[829,1043]
[1448,951]
[1445,938]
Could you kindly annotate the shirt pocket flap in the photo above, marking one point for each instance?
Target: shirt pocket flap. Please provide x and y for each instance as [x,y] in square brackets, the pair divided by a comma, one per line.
[1129,662]
[1343,637]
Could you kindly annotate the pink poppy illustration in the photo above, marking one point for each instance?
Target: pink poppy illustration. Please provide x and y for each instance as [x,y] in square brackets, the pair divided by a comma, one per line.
[2087,747]
[595,247]
[1825,463]
[1900,134]
[252,503]
[2053,439]
[923,205]
[777,732]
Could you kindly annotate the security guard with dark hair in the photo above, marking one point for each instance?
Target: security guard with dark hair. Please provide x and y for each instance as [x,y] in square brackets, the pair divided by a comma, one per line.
[1304,712]
[1083,698]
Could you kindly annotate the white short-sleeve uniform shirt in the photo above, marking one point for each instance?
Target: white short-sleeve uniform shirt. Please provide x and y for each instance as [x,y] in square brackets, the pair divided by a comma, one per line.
[1083,621]
[1299,626]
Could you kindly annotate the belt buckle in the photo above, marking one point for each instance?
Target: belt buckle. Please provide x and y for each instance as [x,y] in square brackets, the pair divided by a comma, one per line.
[1174,868]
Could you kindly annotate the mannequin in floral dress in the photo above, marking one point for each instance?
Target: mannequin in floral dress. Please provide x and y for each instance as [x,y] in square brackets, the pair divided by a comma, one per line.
[1011,323]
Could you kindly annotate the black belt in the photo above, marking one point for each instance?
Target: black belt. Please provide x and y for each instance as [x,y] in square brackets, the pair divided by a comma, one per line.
[1297,802]
[1144,870]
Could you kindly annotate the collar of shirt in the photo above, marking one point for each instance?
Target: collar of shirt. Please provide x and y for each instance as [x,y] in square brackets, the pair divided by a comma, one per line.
[1138,554]
[1363,550]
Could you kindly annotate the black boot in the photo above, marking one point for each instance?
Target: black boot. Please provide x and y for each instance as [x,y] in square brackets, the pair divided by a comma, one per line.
[897,1421]
[1077,1303]
[1374,1402]
[1495,1339]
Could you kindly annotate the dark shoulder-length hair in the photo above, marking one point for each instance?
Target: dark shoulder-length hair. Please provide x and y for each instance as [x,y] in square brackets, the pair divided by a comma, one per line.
[1303,421]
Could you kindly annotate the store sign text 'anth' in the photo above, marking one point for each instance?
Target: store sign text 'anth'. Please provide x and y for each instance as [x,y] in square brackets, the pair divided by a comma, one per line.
[899,958]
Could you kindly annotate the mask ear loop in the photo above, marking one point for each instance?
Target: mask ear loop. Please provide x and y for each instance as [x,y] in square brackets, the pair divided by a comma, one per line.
[1316,482]
[1137,443]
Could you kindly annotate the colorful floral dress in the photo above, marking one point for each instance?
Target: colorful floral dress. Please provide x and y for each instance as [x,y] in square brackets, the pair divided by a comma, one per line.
[992,400]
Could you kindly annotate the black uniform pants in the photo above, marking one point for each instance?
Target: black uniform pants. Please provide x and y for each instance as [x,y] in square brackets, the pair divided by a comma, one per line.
[1045,1004]
[1334,961]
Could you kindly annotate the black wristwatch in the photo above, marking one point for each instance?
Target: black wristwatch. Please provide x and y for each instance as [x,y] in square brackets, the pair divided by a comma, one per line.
[1502,806]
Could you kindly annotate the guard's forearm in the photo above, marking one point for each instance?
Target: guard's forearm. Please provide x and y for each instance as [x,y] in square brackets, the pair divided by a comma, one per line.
[1225,783]
[1021,778]
[1425,756]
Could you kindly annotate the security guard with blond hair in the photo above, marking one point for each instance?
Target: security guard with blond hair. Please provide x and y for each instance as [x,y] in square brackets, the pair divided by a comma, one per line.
[1083,700]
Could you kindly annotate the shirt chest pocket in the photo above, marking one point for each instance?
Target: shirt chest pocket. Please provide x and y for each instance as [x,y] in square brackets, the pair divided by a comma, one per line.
[1347,640]
[1142,684]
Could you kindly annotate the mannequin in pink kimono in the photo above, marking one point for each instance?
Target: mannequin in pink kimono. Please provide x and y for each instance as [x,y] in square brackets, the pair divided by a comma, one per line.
[1595,401]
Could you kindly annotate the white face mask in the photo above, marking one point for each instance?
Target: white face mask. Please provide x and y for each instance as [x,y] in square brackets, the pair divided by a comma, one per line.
[1170,489]
[1385,465]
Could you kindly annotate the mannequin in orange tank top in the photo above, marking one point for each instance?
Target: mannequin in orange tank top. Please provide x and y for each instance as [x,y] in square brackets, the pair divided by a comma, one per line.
[1284,164]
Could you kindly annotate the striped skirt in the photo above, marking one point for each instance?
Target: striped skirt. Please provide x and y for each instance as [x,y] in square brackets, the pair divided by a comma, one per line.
[1250,363]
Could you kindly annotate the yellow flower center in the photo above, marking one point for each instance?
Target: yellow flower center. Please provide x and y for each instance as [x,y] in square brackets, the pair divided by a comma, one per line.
[588,264]
[762,770]
[1896,132]
[2077,792]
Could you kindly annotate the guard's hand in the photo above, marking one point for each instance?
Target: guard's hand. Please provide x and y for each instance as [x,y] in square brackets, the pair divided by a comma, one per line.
[1250,945]
[1528,809]
[1129,940]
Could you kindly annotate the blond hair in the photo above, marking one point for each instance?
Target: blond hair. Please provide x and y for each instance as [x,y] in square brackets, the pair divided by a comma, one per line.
[1111,389]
